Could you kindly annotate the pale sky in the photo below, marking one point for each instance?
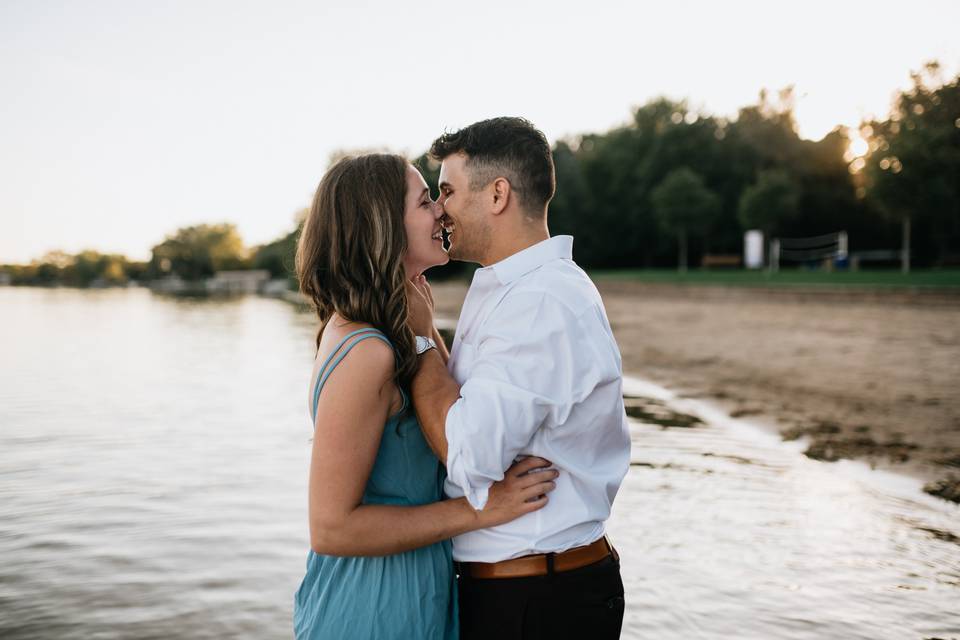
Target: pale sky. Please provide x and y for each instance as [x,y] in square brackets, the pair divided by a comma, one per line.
[122,121]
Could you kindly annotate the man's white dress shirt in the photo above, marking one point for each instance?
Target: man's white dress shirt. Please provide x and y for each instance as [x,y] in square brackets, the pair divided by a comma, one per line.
[541,375]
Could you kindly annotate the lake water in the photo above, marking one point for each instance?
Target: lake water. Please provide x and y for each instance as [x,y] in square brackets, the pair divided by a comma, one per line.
[153,467]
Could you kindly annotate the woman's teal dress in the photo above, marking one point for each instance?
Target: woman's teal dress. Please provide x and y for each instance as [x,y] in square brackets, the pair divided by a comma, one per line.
[406,595]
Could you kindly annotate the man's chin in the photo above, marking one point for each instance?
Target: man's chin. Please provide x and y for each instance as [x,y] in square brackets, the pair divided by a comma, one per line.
[458,254]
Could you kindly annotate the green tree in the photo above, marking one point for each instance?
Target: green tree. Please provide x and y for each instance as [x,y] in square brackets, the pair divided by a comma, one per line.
[914,161]
[572,203]
[278,256]
[769,129]
[616,224]
[683,205]
[89,266]
[47,273]
[199,251]
[49,269]
[764,137]
[767,204]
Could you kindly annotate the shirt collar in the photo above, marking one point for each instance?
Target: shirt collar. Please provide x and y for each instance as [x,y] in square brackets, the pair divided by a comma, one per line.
[525,261]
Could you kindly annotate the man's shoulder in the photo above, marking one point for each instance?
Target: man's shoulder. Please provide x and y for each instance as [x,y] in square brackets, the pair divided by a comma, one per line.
[559,282]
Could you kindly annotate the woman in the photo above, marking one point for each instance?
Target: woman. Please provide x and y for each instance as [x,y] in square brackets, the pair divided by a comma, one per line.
[380,564]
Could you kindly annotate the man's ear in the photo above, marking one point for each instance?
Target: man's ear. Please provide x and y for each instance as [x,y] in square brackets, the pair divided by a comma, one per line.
[501,195]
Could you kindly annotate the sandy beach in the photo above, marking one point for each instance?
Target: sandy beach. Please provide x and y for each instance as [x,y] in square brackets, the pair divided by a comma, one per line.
[867,374]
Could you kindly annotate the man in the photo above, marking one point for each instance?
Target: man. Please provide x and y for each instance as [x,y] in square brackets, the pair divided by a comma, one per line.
[534,370]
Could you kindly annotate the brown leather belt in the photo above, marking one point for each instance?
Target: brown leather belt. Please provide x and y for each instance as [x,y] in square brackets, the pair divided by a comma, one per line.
[541,564]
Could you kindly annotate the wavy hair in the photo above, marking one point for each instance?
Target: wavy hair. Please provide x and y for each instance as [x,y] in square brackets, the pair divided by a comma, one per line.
[350,252]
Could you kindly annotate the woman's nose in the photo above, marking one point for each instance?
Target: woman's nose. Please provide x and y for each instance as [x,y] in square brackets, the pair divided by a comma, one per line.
[437,210]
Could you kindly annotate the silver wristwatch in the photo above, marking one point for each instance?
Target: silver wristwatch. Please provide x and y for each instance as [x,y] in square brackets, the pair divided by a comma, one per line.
[424,344]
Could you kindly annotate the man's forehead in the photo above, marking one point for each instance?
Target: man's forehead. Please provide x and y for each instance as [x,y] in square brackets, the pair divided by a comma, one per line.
[453,165]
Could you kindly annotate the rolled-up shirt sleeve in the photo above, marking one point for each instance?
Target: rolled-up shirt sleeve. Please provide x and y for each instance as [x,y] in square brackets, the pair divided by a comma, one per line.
[525,369]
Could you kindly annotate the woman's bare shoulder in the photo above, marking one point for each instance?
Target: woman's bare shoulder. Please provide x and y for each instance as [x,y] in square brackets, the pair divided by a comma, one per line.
[370,350]
[364,372]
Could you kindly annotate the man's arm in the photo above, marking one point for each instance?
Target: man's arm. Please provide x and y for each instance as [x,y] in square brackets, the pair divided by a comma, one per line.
[527,364]
[434,391]
[523,368]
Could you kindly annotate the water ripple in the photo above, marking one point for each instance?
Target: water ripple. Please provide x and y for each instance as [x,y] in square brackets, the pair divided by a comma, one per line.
[153,485]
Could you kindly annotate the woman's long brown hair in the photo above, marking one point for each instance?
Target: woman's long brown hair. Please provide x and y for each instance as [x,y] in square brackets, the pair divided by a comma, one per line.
[350,252]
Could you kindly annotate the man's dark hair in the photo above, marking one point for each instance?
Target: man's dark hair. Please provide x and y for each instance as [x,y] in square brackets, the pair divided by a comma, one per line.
[504,147]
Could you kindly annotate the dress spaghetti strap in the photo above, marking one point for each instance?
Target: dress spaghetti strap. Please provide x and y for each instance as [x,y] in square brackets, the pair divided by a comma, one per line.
[358,336]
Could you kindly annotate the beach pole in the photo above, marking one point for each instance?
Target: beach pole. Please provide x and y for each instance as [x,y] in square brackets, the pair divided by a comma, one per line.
[905,249]
[774,255]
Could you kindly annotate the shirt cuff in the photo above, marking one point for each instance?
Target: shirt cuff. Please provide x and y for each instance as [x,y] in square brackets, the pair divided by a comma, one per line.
[457,472]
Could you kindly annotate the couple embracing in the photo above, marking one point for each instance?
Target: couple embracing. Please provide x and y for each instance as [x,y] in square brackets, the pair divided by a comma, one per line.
[459,494]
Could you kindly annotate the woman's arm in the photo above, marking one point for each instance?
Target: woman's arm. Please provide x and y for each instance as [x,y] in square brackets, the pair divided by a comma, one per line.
[420,283]
[379,530]
[441,345]
[353,407]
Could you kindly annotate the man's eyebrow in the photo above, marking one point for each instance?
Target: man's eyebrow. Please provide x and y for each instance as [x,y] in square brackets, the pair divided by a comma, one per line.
[443,185]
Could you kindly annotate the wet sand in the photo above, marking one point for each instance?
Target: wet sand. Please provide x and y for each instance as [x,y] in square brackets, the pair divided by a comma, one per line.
[866,374]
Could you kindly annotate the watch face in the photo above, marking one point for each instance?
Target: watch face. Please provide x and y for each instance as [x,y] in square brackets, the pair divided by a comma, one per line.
[423,344]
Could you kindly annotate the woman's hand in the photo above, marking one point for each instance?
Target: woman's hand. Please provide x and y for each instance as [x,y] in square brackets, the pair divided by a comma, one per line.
[524,489]
[420,306]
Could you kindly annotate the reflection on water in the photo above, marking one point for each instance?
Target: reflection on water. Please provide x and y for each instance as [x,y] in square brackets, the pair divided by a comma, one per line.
[153,465]
[731,533]
[153,459]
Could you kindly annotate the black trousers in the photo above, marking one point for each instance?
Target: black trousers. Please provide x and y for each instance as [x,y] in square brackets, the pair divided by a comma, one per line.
[583,603]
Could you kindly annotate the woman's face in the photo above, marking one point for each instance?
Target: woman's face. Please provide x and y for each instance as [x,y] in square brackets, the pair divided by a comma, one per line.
[421,220]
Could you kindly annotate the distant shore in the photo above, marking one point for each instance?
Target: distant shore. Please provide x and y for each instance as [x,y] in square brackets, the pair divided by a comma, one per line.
[863,373]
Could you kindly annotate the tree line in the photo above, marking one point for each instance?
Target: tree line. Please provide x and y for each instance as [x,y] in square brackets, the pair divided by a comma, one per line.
[672,185]
[191,253]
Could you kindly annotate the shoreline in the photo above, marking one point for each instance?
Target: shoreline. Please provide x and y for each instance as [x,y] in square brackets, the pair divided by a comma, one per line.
[691,340]
[867,375]
[902,480]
